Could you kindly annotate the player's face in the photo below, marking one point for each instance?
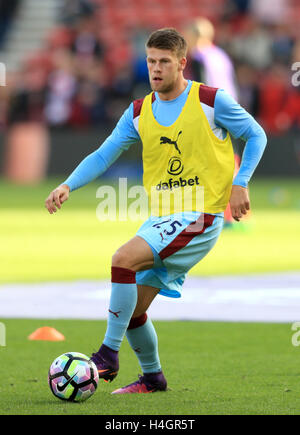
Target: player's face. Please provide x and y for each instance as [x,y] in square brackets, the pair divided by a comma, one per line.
[164,69]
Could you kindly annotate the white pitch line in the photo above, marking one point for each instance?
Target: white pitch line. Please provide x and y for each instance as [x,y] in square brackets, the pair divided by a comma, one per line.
[261,298]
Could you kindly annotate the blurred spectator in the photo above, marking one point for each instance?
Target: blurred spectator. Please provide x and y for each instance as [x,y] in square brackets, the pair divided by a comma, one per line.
[60,90]
[7,10]
[247,87]
[89,105]
[282,45]
[71,10]
[86,44]
[122,84]
[240,6]
[209,63]
[28,98]
[252,44]
[140,70]
[270,11]
[273,93]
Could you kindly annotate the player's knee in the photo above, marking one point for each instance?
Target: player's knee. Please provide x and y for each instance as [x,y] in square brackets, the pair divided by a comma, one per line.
[121,259]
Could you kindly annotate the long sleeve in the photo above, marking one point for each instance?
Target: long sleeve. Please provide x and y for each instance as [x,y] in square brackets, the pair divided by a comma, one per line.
[232,117]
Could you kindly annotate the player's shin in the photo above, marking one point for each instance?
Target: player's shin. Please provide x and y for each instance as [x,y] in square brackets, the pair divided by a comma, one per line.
[142,338]
[123,301]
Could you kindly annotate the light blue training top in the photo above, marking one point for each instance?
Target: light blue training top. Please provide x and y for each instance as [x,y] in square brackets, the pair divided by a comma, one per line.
[228,115]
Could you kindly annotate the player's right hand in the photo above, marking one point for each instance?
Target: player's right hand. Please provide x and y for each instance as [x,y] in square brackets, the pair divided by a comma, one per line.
[57,197]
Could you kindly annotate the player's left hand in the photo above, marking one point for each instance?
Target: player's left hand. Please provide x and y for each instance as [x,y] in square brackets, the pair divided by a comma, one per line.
[57,197]
[239,202]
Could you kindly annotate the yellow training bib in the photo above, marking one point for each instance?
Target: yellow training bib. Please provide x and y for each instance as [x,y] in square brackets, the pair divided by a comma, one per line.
[186,167]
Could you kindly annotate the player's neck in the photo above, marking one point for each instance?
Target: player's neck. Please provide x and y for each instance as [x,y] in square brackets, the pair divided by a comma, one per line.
[175,92]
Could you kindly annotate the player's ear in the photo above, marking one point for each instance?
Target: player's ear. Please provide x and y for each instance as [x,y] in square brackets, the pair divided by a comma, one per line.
[182,63]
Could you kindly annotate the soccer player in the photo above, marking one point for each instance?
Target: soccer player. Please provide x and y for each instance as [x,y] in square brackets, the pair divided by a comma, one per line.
[183,126]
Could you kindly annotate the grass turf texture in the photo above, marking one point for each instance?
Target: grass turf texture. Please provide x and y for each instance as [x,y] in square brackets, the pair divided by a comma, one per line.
[73,244]
[212,368]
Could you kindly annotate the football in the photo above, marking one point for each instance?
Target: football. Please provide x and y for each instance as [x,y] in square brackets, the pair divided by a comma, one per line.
[73,377]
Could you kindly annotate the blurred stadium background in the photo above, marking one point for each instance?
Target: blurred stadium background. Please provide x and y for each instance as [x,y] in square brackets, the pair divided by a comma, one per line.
[74,66]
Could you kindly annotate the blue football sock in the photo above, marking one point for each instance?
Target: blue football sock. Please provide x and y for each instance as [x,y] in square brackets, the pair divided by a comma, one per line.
[122,303]
[142,338]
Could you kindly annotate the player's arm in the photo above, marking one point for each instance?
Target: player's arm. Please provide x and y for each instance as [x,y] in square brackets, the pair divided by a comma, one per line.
[233,118]
[96,163]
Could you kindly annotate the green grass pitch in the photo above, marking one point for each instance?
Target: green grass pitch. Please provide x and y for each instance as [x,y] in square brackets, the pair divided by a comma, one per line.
[212,368]
[73,244]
